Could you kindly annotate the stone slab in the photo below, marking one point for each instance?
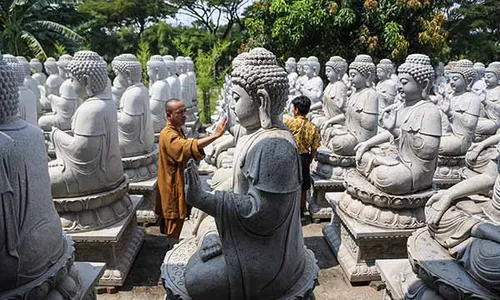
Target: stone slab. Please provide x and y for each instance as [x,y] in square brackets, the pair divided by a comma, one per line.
[146,210]
[390,271]
[112,233]
[89,272]
[318,207]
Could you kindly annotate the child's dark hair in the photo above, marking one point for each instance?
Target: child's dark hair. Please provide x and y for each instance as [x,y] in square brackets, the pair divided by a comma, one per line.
[303,104]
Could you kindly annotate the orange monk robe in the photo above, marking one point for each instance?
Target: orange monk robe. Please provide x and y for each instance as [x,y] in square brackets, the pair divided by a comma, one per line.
[175,151]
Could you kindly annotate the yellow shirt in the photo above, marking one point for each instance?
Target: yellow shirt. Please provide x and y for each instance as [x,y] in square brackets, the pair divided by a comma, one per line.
[305,133]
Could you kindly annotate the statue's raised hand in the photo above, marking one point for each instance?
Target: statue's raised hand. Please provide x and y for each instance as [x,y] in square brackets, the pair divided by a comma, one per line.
[389,115]
[192,183]
[436,206]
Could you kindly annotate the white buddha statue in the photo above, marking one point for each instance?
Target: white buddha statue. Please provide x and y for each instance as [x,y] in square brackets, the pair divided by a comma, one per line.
[172,79]
[386,87]
[54,80]
[186,88]
[29,82]
[37,70]
[192,77]
[159,92]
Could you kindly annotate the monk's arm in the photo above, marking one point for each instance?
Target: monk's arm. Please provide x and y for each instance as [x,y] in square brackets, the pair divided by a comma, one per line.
[181,149]
[205,141]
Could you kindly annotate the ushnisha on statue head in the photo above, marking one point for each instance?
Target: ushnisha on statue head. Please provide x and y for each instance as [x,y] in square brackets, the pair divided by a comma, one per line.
[260,86]
[9,93]
[238,60]
[462,75]
[127,68]
[362,71]
[157,69]
[335,68]
[17,69]
[418,68]
[88,70]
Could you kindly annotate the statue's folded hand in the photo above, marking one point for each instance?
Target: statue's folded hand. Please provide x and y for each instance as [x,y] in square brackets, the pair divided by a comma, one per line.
[436,206]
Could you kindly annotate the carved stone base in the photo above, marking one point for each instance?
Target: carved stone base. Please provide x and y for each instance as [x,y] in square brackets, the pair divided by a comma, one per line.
[328,165]
[448,171]
[439,271]
[318,207]
[141,167]
[64,280]
[172,273]
[149,189]
[357,245]
[117,246]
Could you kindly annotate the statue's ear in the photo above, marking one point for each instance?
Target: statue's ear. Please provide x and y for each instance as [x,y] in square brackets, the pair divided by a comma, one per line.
[264,108]
[86,82]
[425,88]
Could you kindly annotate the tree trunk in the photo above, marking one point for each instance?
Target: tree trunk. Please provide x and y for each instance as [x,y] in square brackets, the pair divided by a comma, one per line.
[206,106]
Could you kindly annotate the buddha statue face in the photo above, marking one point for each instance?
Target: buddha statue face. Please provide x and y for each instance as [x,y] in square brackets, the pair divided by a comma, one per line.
[457,82]
[382,74]
[290,68]
[300,69]
[308,70]
[491,79]
[416,76]
[357,79]
[409,89]
[51,66]
[245,109]
[330,73]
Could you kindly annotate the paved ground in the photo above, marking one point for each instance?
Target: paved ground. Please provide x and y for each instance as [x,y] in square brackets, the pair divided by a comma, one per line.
[143,282]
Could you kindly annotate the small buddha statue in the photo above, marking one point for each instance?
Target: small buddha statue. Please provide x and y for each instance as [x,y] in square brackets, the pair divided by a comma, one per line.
[291,69]
[302,79]
[54,80]
[386,87]
[172,79]
[27,99]
[415,127]
[34,249]
[89,161]
[185,82]
[479,85]
[37,71]
[361,112]
[64,105]
[192,78]
[135,127]
[159,92]
[313,87]
[462,109]
[260,218]
[29,82]
[489,121]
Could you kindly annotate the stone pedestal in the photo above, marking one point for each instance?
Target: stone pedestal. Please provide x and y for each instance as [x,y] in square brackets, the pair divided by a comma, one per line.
[148,189]
[172,273]
[90,272]
[357,245]
[448,171]
[141,167]
[327,174]
[116,245]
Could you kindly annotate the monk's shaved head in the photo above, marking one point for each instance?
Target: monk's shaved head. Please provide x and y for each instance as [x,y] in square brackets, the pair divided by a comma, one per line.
[176,112]
[172,105]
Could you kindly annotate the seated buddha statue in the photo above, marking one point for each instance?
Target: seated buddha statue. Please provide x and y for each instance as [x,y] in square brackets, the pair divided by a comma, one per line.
[302,76]
[159,92]
[291,69]
[37,71]
[386,88]
[415,128]
[462,110]
[186,88]
[313,87]
[360,118]
[258,252]
[135,127]
[52,83]
[172,79]
[89,161]
[489,122]
[192,79]
[29,82]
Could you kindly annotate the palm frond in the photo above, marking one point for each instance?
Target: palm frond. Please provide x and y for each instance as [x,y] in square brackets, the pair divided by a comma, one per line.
[58,28]
[34,45]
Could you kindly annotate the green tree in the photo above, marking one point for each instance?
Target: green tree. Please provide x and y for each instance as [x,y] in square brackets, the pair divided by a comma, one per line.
[27,29]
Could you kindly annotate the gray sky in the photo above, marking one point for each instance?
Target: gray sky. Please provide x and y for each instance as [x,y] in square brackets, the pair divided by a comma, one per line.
[182,19]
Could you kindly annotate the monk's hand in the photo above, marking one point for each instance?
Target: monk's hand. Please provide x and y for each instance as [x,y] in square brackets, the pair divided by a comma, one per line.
[192,183]
[436,206]
[360,149]
[221,127]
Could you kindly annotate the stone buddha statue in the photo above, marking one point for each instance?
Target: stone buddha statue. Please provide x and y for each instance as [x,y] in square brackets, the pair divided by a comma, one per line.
[33,251]
[90,160]
[37,71]
[185,82]
[313,87]
[27,100]
[135,127]
[489,122]
[29,82]
[386,87]
[172,79]
[259,251]
[462,109]
[361,112]
[63,106]
[192,78]
[291,69]
[415,128]
[117,89]
[159,92]
[302,79]
[335,93]
[479,85]
[54,80]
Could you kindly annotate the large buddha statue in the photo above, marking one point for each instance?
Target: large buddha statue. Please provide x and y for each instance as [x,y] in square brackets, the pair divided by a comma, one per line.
[36,259]
[37,71]
[462,110]
[89,161]
[386,87]
[159,92]
[259,251]
[135,127]
[185,82]
[361,112]
[415,128]
[27,99]
[172,79]
[64,105]
[313,87]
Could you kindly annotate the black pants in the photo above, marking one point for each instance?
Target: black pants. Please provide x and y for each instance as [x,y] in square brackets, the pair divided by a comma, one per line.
[306,160]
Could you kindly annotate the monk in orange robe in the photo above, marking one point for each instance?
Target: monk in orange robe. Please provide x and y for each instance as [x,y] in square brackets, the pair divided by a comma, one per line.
[175,150]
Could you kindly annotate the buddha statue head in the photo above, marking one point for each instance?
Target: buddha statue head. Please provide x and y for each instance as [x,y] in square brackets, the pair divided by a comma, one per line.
[180,62]
[51,66]
[88,71]
[300,66]
[170,64]
[335,68]
[291,65]
[361,71]
[492,74]
[24,62]
[312,67]
[238,60]
[9,93]
[480,68]
[62,65]
[189,64]
[259,89]
[36,65]
[17,69]
[448,67]
[416,76]
[385,68]
[128,69]
[462,76]
[157,69]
